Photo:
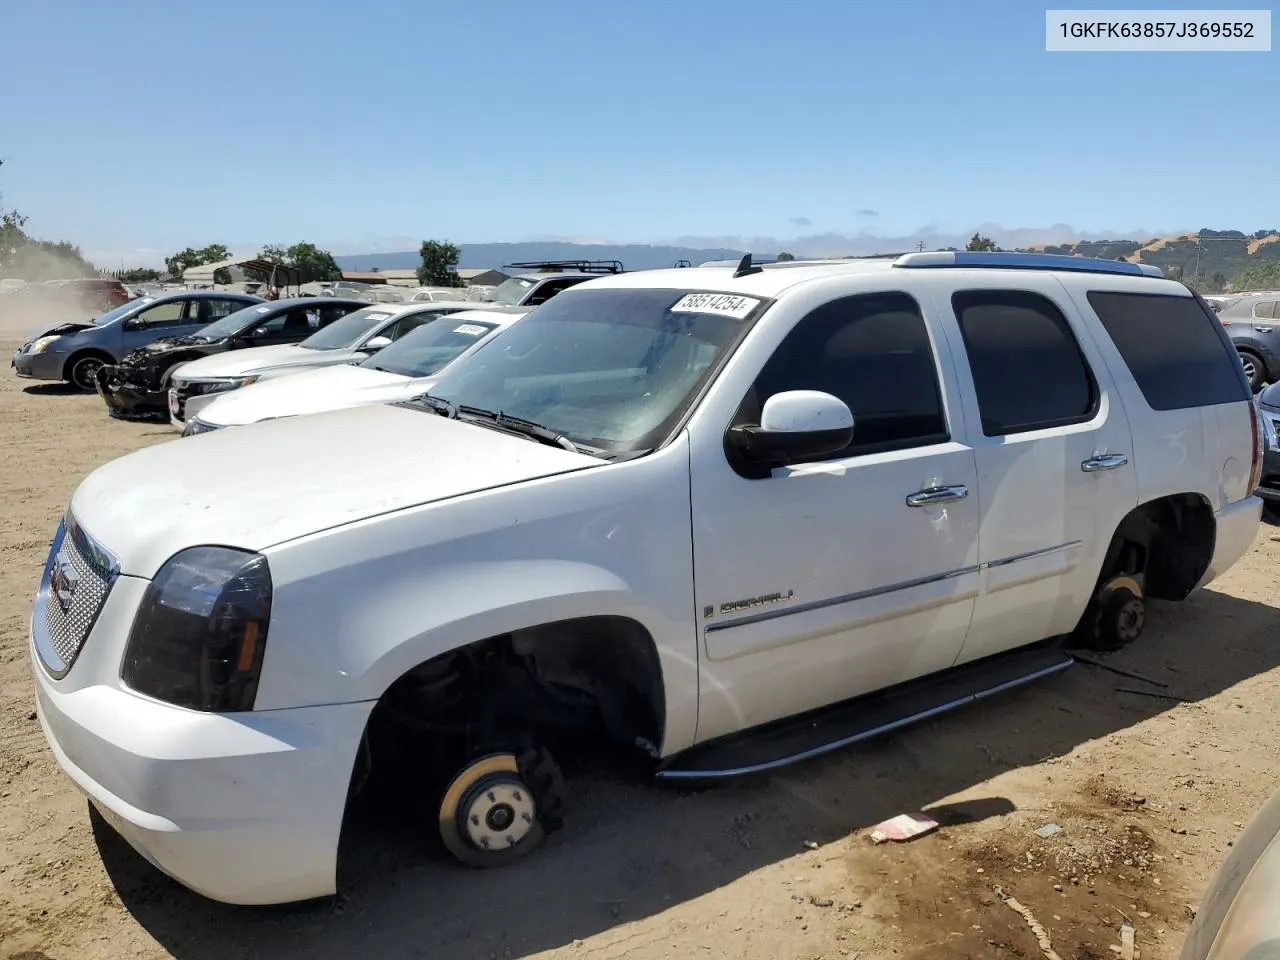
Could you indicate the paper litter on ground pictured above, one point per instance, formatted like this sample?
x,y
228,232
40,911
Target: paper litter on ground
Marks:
x,y
905,826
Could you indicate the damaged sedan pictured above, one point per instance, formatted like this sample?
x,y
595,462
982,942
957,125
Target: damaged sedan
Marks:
x,y
137,387
74,352
351,340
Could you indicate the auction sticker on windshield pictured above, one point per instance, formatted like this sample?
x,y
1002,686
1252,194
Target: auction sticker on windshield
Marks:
x,y
724,304
470,329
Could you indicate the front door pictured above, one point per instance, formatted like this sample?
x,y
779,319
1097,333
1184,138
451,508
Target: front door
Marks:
x,y
1055,469
833,578
163,319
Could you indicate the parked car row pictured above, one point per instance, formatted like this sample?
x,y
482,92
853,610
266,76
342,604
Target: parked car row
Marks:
x,y
724,518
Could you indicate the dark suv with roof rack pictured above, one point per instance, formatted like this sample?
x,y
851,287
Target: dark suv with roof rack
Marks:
x,y
543,279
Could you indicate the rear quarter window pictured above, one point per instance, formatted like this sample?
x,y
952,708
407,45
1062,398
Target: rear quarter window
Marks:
x,y
1174,347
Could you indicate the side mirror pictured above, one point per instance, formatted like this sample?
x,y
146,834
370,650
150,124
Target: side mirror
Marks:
x,y
258,332
133,323
794,425
376,344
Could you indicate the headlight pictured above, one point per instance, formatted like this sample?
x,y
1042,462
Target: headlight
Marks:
x,y
197,426
42,344
200,633
200,388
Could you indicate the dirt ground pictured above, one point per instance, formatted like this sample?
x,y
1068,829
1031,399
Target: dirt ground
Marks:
x,y
1149,784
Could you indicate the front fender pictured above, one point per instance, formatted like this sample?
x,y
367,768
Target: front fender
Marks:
x,y
357,607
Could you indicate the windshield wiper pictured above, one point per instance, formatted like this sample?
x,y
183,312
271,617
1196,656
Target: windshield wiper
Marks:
x,y
527,428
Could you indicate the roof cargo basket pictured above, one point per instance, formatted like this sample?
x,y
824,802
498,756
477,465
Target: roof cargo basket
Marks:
x,y
559,266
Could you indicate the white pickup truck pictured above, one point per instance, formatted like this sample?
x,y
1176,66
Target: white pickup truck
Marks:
x,y
727,516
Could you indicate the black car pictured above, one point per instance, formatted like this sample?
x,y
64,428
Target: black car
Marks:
x,y
1253,322
136,387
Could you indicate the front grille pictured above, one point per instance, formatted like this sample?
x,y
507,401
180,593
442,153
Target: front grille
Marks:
x,y
77,579
181,391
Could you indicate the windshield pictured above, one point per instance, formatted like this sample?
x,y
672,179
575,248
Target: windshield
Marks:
x,y
234,323
613,369
120,311
346,333
512,291
429,348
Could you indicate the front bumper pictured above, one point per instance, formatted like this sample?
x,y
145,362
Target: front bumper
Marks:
x,y
244,808
1269,485
38,366
185,406
129,401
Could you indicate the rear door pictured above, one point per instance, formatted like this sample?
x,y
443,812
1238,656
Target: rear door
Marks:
x,y
207,310
1055,467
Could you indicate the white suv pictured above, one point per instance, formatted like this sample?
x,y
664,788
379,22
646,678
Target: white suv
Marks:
x,y
713,514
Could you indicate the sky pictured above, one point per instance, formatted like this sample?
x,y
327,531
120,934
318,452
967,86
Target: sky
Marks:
x,y
138,127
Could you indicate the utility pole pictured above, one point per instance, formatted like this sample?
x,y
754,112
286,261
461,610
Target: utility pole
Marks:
x,y
920,246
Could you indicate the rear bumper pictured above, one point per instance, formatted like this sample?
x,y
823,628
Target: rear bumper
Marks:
x,y
127,401
1237,526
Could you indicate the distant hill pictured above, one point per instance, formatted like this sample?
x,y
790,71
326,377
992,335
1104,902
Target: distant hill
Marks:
x,y
1214,256
634,256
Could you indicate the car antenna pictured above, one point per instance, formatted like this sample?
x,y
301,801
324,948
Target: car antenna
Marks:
x,y
746,267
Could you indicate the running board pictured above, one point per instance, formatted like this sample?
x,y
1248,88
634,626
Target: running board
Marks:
x,y
832,728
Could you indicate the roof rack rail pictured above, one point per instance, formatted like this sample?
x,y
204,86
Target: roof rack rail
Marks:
x,y
582,266
1025,261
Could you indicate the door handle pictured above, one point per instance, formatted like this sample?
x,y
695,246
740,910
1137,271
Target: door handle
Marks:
x,y
1262,329
932,496
1106,461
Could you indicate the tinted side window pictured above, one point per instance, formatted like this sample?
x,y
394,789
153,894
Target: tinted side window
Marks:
x,y
1175,350
1266,310
1027,367
872,352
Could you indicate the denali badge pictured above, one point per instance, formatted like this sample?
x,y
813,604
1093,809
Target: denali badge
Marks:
x,y
735,606
63,580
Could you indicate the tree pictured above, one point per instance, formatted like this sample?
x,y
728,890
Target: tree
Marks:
x,y
979,242
438,259
27,258
312,263
784,257
1262,276
138,275
188,258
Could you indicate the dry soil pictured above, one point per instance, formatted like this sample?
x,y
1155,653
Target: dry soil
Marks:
x,y
1150,784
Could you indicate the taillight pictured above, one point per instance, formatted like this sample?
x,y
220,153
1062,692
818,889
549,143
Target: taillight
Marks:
x,y
1255,423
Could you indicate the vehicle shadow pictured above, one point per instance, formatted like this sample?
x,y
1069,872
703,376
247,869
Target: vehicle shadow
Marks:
x,y
54,388
631,850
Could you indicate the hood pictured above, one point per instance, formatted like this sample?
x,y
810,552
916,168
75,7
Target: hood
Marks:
x,y
272,482
314,391
168,343
62,329
1270,397
239,363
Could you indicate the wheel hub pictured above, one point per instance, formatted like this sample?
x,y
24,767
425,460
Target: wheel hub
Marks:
x,y
1131,620
497,813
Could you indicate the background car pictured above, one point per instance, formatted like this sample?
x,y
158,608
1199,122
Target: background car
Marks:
x,y
549,278
1253,323
1238,918
355,337
403,370
138,385
74,352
